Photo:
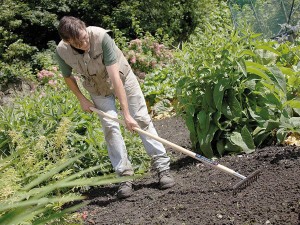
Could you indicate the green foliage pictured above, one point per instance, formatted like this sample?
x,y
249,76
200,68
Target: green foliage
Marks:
x,y
176,18
38,168
44,59
19,18
37,198
17,26
48,149
18,51
39,115
14,73
234,92
159,90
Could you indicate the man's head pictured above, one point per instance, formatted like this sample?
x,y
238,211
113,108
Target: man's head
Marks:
x,y
73,31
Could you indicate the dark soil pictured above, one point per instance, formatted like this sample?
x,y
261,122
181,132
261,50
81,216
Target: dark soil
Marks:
x,y
204,195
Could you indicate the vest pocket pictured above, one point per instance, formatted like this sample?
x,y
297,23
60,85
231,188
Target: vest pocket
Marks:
x,y
76,67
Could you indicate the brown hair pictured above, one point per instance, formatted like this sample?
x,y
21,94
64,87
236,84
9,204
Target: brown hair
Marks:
x,y
69,28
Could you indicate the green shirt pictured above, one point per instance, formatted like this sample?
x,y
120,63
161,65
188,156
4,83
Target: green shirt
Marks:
x,y
109,56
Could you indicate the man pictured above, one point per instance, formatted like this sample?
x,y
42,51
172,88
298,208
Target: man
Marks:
x,y
91,52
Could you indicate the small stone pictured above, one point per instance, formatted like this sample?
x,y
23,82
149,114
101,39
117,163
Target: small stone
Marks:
x,y
219,216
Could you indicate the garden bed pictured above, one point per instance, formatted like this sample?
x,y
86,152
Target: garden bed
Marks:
x,y
203,195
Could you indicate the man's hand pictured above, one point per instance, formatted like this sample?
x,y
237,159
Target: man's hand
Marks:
x,y
130,123
86,104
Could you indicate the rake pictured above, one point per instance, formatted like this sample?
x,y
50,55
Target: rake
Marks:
x,y
245,181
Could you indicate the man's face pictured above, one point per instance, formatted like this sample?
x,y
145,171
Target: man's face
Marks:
x,y
83,42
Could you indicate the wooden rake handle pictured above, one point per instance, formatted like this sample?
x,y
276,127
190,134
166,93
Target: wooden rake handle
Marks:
x,y
174,146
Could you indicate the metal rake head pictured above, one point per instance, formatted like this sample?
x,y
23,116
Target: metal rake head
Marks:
x,y
246,182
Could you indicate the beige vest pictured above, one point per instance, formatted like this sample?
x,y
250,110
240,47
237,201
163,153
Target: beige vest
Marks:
x,y
90,64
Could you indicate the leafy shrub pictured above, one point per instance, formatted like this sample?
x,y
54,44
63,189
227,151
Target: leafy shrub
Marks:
x,y
14,74
43,59
18,51
233,95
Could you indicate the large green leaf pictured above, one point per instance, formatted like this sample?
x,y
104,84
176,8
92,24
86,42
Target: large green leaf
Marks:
x,y
257,69
220,147
247,137
52,172
205,132
230,147
278,78
219,90
293,103
271,125
234,104
242,66
237,139
208,98
260,135
203,119
189,121
258,72
216,117
42,201
205,139
226,110
268,48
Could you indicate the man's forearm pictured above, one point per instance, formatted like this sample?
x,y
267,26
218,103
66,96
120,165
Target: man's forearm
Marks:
x,y
113,72
72,84
84,102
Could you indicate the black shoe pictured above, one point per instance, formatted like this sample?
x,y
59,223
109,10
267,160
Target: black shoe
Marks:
x,y
125,190
166,180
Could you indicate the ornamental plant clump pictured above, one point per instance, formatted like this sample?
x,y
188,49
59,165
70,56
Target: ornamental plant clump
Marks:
x,y
49,76
235,93
147,54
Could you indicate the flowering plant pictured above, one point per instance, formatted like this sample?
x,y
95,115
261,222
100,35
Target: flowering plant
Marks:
x,y
146,54
49,77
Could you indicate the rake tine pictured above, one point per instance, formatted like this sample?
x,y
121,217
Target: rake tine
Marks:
x,y
246,182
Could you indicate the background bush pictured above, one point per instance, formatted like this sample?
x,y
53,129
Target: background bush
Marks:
x,y
235,92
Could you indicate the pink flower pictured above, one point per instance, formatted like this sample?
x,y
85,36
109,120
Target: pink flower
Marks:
x,y
133,60
45,74
52,83
161,46
43,94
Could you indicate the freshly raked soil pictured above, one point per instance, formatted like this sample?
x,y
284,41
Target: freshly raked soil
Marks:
x,y
204,195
